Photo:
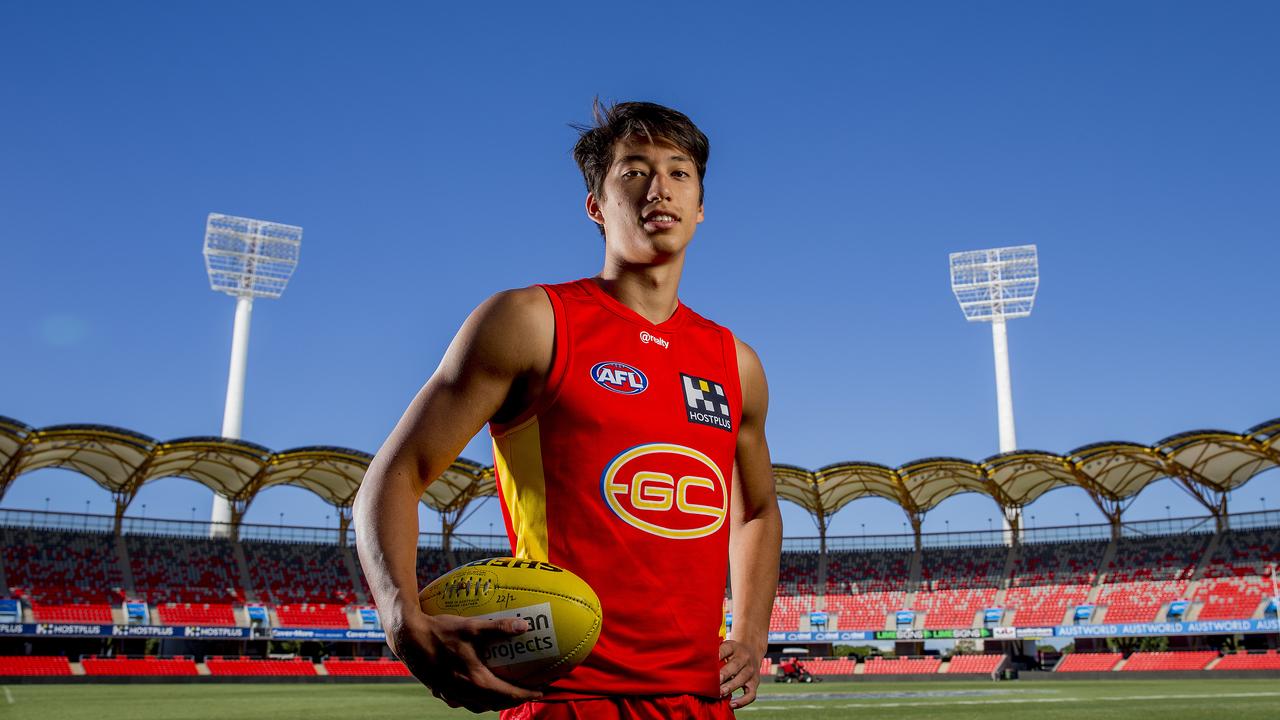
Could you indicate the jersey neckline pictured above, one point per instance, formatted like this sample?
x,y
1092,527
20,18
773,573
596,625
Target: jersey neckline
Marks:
x,y
613,305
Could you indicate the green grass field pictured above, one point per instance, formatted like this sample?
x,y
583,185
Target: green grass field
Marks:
x,y
1162,699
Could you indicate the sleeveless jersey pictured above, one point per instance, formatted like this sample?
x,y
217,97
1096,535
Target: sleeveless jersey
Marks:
x,y
621,472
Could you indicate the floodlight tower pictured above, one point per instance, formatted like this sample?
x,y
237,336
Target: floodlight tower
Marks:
x,y
245,259
994,286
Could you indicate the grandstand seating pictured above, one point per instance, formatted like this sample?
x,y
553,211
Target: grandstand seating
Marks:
x,y
221,614
148,666
286,573
1040,605
1139,600
33,665
1269,660
184,570
313,615
957,583
362,667
864,611
1088,662
239,666
830,666
1049,579
1231,598
798,572
1152,661
860,572
65,576
902,666
967,664
788,610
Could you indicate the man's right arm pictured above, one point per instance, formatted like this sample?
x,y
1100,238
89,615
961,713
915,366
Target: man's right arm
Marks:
x,y
493,367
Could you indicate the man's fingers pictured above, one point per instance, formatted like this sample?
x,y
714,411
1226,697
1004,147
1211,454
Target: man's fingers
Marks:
x,y
504,627
740,678
484,679
748,696
726,649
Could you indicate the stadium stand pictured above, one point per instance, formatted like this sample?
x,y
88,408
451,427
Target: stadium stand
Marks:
x,y
1049,579
788,610
313,615
241,666
957,583
864,611
292,573
860,572
1088,662
902,666
1148,572
1269,660
1237,576
1162,661
184,570
64,576
146,666
362,667
33,666
221,614
974,664
432,562
798,573
831,666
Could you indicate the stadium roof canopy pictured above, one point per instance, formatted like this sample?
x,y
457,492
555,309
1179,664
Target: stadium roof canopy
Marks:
x,y
1206,463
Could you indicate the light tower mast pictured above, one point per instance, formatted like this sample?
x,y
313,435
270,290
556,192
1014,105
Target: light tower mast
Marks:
x,y
994,286
245,259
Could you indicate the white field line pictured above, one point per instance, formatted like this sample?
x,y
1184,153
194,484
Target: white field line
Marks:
x,y
8,695
1005,701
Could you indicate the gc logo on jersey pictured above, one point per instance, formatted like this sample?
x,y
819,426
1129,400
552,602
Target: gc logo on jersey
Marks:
x,y
619,377
667,490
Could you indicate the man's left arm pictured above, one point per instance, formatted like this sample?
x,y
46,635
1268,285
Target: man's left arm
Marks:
x,y
755,539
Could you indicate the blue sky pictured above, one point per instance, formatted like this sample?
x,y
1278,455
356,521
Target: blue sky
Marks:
x,y
425,152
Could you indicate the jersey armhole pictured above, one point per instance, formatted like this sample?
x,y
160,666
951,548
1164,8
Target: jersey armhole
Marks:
x,y
555,376
731,363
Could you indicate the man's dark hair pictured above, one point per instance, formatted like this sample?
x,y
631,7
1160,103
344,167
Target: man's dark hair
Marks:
x,y
655,123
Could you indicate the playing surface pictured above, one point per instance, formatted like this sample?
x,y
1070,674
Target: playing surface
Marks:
x,y
1163,699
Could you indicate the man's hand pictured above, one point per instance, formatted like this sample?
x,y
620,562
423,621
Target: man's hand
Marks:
x,y
740,669
441,651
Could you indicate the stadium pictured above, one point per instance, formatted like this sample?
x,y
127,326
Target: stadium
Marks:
x,y
120,598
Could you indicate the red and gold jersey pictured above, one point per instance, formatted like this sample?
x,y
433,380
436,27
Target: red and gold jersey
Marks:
x,y
621,472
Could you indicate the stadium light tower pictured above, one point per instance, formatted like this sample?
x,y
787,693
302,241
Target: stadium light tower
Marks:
x,y
245,259
995,286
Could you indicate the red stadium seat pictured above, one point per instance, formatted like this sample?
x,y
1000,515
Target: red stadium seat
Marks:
x,y
33,666
1167,661
902,666
1088,662
361,667
239,666
1269,660
974,664
146,666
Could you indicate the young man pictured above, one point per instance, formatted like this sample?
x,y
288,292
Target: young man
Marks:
x,y
629,447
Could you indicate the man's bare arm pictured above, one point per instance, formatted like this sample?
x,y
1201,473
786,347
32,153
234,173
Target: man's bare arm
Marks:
x,y
502,350
755,540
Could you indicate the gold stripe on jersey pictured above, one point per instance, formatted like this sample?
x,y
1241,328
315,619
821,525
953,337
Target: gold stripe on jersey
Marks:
x,y
517,457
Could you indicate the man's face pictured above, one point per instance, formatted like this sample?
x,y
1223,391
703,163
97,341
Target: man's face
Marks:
x,y
651,202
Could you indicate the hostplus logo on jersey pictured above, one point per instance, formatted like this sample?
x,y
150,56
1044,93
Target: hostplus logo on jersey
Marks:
x,y
619,377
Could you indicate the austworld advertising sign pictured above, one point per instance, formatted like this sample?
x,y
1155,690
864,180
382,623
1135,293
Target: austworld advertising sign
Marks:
x,y
1197,627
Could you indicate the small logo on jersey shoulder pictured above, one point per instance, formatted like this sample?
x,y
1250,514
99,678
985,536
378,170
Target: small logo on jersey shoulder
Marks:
x,y
647,337
706,403
619,377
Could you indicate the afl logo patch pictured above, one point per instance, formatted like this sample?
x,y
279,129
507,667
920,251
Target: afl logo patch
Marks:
x,y
619,377
667,490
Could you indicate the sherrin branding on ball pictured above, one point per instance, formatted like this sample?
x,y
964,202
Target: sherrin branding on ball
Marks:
x,y
561,609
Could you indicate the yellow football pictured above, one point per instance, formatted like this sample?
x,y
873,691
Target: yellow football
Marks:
x,y
562,610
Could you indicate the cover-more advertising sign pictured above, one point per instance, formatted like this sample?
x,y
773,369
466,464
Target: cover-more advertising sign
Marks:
x,y
818,619
326,634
